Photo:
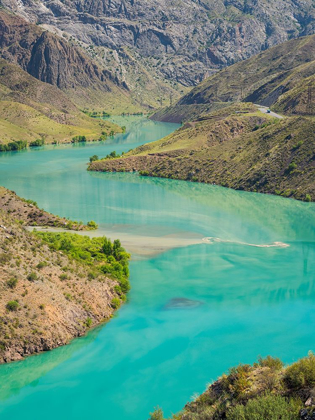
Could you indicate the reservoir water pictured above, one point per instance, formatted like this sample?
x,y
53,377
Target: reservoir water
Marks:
x,y
231,279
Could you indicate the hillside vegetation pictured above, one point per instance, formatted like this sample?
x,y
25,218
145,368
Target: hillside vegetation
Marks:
x,y
280,77
264,391
237,147
54,286
31,110
232,143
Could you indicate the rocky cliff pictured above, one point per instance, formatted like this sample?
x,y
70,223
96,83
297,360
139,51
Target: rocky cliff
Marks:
x,y
181,41
54,60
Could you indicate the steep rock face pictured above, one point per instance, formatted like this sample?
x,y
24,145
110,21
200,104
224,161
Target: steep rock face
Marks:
x,y
47,57
184,41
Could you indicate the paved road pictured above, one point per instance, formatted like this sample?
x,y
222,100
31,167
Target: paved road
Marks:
x,y
264,109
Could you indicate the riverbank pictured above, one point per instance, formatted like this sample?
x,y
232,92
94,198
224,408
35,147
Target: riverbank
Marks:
x,y
52,290
236,147
29,214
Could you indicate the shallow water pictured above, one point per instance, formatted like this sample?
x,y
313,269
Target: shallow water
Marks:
x,y
193,310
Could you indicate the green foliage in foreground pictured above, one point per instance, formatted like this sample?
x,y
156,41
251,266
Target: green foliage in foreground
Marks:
x,y
99,253
266,390
271,407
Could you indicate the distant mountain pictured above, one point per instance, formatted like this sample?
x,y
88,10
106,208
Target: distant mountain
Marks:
x,y
282,77
52,59
163,47
233,143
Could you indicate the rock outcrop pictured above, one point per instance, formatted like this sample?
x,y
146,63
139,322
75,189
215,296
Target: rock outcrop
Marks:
x,y
182,41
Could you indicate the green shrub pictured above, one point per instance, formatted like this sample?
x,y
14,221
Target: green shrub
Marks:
x,y
291,167
93,158
32,276
115,303
37,143
15,145
88,322
5,257
34,203
63,277
99,253
308,198
297,145
41,306
78,139
12,282
301,374
268,407
12,306
274,363
92,225
157,414
238,380
41,265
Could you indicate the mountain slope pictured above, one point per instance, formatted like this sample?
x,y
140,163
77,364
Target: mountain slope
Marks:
x,y
30,109
49,294
280,76
52,59
237,147
180,42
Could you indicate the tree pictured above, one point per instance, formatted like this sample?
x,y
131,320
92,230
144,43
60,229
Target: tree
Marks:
x,y
93,158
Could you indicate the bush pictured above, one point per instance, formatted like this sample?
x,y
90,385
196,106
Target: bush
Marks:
x,y
301,374
37,143
271,407
238,380
308,198
5,258
157,414
274,363
92,225
78,139
11,283
92,252
88,322
291,167
15,145
32,276
115,303
41,265
12,306
93,158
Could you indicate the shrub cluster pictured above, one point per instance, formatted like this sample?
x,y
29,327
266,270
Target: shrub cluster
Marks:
x,y
14,145
37,143
105,256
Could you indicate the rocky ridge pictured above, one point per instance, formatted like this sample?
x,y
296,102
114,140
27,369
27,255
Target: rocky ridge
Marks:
x,y
182,42
53,60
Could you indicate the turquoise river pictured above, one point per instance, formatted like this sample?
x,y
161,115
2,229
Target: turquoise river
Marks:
x,y
218,277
